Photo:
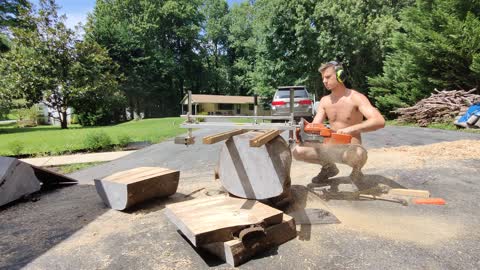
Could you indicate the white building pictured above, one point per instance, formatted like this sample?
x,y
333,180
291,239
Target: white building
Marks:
x,y
49,116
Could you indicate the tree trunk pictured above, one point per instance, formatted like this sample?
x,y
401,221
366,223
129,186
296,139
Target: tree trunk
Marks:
x,y
180,97
216,69
63,119
131,108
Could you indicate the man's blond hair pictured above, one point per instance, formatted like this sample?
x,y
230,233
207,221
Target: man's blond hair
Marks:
x,y
324,66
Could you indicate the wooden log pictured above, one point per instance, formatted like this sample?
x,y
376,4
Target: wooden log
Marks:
x,y
17,179
409,192
262,139
124,189
441,106
255,172
236,252
217,219
222,136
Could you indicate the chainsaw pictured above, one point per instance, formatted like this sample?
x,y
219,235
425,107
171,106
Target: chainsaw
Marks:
x,y
313,132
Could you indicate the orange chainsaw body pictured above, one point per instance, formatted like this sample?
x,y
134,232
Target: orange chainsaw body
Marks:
x,y
329,137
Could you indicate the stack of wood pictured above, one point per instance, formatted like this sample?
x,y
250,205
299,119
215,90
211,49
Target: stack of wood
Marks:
x,y
441,107
233,229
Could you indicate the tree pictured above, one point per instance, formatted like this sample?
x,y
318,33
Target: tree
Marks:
x,y
294,37
9,12
437,46
50,65
215,44
96,99
242,47
153,42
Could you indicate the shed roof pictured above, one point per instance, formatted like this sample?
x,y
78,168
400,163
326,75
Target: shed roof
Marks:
x,y
218,99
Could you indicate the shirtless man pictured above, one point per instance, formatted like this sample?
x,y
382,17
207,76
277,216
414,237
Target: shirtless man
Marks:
x,y
345,109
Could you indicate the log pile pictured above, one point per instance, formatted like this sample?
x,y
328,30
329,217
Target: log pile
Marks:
x,y
441,107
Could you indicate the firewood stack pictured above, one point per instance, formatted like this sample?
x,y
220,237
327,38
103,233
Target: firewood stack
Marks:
x,y
440,107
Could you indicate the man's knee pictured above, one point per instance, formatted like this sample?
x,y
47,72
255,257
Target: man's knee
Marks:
x,y
298,153
356,156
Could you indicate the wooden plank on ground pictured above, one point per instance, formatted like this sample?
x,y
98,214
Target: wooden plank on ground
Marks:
x,y
222,136
216,219
236,252
264,138
127,188
409,192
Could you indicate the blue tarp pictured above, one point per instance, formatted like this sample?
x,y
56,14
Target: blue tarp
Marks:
x,y
472,110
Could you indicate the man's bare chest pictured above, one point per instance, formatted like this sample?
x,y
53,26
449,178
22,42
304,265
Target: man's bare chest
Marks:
x,y
342,111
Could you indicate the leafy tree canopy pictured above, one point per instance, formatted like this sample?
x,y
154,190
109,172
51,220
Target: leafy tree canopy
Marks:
x,y
437,46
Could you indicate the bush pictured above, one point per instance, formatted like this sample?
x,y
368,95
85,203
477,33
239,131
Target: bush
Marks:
x,y
74,119
15,147
124,140
97,141
4,109
99,111
28,117
201,119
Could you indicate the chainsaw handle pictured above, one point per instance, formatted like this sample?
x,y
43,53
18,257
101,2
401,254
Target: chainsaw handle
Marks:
x,y
320,129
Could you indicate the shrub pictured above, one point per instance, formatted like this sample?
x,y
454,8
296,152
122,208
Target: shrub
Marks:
x,y
15,147
101,110
124,140
201,119
74,119
97,141
4,109
28,117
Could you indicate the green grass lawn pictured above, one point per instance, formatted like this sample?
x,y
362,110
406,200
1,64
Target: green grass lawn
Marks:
x,y
51,140
66,169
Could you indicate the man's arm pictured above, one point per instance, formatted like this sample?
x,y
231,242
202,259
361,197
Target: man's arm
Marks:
x,y
320,116
374,119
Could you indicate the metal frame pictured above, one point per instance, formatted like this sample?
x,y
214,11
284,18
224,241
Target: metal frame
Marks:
x,y
279,126
190,122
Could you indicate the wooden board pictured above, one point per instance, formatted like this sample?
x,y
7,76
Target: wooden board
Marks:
x,y
255,172
264,138
222,136
127,188
216,219
235,252
17,179
409,192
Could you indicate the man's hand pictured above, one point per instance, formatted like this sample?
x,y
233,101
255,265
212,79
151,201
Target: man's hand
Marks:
x,y
347,130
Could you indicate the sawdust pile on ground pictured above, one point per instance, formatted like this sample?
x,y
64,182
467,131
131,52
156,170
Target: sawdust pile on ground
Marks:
x,y
464,149
414,157
398,226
